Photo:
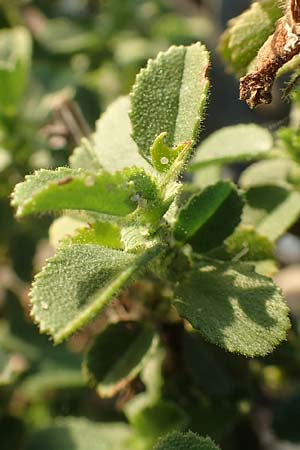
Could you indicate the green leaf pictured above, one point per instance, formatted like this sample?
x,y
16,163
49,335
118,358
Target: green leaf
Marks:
x,y
84,157
205,176
105,234
209,217
11,366
80,434
237,143
155,421
278,172
117,356
169,96
64,227
246,33
63,36
15,62
112,141
162,155
5,159
78,282
247,244
272,210
234,307
185,441
49,379
113,194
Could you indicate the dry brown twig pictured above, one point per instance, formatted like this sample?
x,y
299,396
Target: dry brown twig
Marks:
x,y
280,47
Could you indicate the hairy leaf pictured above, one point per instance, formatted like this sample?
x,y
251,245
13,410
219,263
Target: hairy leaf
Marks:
x,y
233,144
234,307
185,441
117,356
277,172
64,227
169,97
113,144
246,33
272,210
247,244
84,157
209,217
80,434
77,283
113,194
105,234
162,155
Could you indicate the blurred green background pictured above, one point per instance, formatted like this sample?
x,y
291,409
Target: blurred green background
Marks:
x,y
61,63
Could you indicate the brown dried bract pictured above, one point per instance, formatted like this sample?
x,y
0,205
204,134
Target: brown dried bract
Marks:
x,y
280,47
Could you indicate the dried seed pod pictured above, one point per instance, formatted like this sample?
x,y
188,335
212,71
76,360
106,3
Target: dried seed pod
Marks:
x,y
280,47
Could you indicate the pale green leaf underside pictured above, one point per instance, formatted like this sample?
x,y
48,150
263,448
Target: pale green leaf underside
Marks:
x,y
236,143
185,441
272,210
66,188
77,283
112,141
80,434
234,307
247,33
169,96
279,172
209,217
117,356
84,157
64,227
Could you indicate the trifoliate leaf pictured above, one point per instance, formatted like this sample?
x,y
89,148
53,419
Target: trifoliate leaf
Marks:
x,y
117,356
169,96
15,61
237,143
112,141
77,283
277,172
209,217
113,194
185,441
246,33
234,307
272,210
80,434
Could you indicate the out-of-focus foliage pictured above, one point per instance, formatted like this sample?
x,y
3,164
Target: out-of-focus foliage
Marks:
x,y
55,55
